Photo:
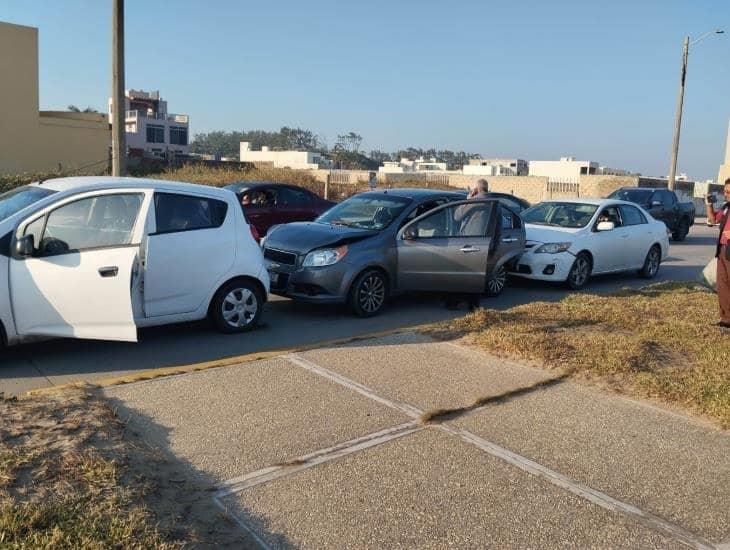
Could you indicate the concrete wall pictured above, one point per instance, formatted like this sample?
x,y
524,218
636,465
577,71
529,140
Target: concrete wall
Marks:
x,y
33,141
602,186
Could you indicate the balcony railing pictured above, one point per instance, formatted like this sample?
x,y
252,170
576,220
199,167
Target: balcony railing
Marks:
x,y
182,119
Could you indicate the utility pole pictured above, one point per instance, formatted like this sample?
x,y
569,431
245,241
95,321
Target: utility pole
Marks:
x,y
678,114
119,142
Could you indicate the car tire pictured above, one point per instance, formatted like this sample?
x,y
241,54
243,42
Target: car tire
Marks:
x,y
682,231
651,263
368,293
580,272
237,306
496,281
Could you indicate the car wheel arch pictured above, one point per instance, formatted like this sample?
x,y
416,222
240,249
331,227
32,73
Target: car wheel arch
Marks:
x,y
254,280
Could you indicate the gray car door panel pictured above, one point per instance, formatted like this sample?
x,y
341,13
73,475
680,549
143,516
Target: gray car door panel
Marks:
x,y
446,249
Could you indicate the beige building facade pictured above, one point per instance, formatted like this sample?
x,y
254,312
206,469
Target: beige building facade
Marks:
x,y
724,172
42,141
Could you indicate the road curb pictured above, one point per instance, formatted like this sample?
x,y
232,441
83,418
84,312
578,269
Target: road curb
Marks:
x,y
151,374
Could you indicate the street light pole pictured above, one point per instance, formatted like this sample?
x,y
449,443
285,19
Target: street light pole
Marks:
x,y
680,104
119,146
678,114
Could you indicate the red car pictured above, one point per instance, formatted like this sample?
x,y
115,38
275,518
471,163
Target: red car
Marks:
x,y
267,204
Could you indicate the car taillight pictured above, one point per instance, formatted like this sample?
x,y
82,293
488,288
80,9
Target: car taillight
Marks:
x,y
255,233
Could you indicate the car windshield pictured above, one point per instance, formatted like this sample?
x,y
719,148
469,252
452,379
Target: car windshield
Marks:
x,y
638,196
12,202
560,214
374,212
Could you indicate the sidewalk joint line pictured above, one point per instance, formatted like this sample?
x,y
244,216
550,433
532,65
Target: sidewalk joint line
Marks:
x,y
241,523
405,408
523,463
270,473
587,493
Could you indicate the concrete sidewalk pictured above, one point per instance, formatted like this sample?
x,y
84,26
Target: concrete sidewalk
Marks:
x,y
328,449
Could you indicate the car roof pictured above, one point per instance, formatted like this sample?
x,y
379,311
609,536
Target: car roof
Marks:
x,y
92,183
642,189
412,193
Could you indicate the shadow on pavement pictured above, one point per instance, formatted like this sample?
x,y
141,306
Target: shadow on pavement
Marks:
x,y
181,495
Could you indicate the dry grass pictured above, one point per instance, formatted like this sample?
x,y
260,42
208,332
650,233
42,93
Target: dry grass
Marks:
x,y
61,478
657,342
219,177
71,476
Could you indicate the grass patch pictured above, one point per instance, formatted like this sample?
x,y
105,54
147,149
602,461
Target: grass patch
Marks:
x,y
656,342
71,477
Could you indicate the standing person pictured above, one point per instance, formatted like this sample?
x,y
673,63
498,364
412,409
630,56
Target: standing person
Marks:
x,y
473,222
722,254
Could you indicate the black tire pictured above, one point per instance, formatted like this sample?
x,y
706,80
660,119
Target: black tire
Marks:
x,y
237,306
682,230
368,293
651,263
496,281
580,272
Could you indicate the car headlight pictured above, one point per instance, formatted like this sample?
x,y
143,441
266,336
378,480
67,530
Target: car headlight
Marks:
x,y
325,256
553,248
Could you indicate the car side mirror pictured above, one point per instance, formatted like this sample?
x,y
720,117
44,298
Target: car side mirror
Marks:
x,y
656,203
409,234
24,246
605,226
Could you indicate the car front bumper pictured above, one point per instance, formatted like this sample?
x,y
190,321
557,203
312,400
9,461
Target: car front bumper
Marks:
x,y
327,284
544,267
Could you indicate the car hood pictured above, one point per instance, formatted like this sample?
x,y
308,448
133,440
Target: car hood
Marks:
x,y
545,234
302,237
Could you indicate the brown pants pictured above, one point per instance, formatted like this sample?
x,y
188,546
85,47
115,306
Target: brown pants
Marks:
x,y
723,284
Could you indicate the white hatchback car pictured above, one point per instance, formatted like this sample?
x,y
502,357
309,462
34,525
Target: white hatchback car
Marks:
x,y
97,257
570,240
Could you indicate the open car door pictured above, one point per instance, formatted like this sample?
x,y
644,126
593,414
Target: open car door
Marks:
x,y
71,269
447,249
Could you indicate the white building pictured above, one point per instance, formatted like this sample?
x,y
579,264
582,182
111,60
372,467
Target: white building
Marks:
x,y
496,167
406,166
565,169
724,172
150,128
299,160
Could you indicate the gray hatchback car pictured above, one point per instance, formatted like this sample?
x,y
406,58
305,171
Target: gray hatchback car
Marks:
x,y
378,244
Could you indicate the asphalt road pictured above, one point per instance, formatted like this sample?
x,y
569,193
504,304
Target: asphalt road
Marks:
x,y
287,324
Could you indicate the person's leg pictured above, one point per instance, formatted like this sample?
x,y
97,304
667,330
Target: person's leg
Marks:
x,y
723,286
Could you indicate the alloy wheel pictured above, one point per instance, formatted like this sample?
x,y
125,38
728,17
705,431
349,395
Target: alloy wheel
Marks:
x,y
496,282
652,262
580,271
371,293
239,307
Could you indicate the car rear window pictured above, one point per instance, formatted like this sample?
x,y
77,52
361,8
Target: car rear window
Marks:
x,y
638,196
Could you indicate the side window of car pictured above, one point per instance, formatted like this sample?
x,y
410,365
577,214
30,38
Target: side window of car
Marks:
x,y
422,209
631,216
94,222
465,220
610,214
667,198
506,218
175,212
288,196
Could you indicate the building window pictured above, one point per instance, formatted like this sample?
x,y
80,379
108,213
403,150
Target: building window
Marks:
x,y
155,134
178,135
584,170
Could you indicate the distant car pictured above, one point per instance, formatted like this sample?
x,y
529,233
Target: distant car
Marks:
x,y
269,204
97,257
380,243
663,205
571,240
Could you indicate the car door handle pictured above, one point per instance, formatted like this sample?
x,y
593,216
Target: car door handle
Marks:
x,y
509,240
467,249
109,271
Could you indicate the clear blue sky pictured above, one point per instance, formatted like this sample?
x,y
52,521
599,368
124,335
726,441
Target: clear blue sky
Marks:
x,y
534,79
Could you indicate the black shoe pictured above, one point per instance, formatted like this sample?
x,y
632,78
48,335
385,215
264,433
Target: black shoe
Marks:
x,y
722,324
